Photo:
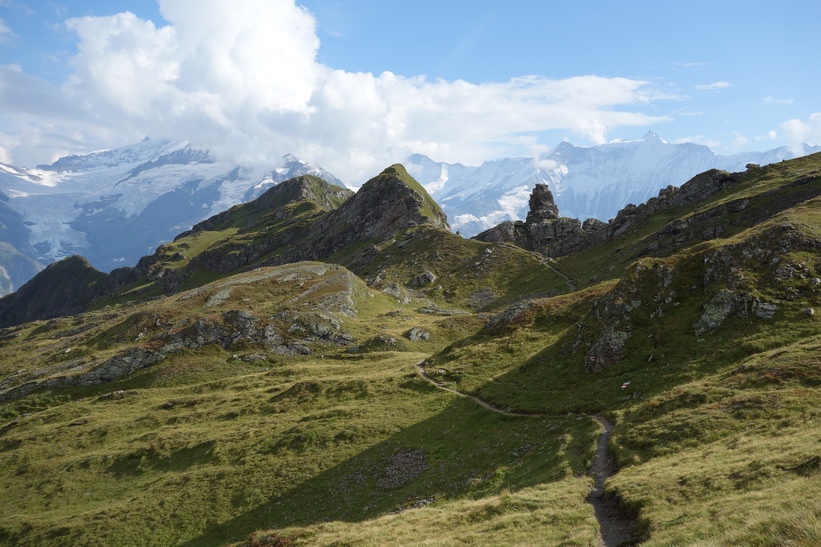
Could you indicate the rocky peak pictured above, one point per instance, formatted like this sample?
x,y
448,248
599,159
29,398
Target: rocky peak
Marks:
x,y
542,206
306,187
388,203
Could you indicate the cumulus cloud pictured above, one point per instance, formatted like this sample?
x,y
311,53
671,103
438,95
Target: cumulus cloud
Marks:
x,y
242,79
799,132
713,86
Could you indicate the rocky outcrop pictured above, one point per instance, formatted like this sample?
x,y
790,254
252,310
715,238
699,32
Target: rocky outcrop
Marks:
x,y
288,333
726,303
547,233
542,205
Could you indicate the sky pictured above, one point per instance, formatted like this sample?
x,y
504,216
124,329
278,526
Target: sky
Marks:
x,y
355,85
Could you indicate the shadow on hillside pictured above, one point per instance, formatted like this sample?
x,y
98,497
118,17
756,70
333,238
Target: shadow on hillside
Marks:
x,y
463,450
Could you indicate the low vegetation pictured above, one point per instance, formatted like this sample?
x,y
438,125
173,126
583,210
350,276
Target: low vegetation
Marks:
x,y
285,407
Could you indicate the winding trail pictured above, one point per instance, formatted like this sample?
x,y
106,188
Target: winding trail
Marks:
x,y
478,400
570,284
614,529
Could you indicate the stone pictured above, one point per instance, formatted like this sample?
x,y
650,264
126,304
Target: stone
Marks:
x,y
542,205
417,334
423,279
608,349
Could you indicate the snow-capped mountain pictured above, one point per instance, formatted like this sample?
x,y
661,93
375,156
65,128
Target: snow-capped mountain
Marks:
x,y
586,181
116,206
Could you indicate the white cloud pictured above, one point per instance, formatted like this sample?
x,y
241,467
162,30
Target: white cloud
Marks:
x,y
799,132
772,100
5,31
740,141
242,79
713,86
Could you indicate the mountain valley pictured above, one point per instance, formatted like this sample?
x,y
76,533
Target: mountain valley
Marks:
x,y
273,375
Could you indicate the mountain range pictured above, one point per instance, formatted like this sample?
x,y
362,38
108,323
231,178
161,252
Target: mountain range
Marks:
x,y
587,181
114,206
319,366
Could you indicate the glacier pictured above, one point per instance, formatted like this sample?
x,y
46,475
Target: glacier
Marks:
x,y
115,206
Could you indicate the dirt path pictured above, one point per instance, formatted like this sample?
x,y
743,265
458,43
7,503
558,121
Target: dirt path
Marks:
x,y
478,400
570,284
614,529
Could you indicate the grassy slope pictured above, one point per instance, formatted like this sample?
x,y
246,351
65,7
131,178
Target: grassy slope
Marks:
x,y
606,261
204,448
731,414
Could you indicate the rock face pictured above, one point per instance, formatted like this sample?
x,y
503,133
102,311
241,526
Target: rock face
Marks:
x,y
386,204
542,206
547,233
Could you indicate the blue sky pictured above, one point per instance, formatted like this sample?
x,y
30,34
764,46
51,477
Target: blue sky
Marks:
x,y
356,84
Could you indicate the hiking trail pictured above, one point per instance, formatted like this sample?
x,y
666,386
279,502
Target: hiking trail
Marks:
x,y
614,529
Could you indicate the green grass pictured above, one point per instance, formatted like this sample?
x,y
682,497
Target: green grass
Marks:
x,y
716,434
548,514
201,450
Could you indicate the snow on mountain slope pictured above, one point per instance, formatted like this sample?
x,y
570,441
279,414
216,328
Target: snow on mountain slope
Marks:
x,y
586,181
115,206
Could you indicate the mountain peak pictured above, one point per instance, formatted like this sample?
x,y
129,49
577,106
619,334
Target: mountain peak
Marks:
x,y
399,199
652,136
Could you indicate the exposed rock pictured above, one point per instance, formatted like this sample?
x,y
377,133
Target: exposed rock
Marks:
x,y
715,312
394,290
382,342
608,349
546,233
315,325
726,303
542,205
417,334
229,328
436,310
423,279
402,467
510,315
